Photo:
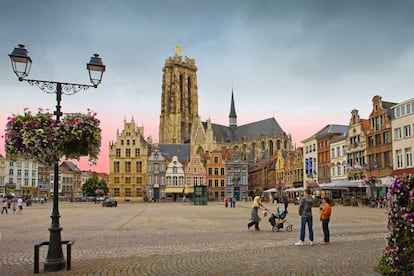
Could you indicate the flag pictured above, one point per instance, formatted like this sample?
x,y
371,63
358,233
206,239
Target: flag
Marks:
x,y
178,49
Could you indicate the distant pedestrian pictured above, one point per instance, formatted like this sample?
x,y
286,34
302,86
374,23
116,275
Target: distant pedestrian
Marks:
x,y
20,205
226,202
4,207
234,202
231,202
305,211
255,219
14,207
286,201
325,216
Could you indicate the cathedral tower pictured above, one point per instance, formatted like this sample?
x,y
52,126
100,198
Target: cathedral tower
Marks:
x,y
179,100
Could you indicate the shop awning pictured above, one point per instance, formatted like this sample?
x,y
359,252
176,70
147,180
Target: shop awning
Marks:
x,y
385,181
341,184
189,190
25,188
291,190
174,190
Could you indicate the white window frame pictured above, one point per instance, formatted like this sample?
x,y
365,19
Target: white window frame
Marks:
x,y
397,133
408,158
407,131
399,159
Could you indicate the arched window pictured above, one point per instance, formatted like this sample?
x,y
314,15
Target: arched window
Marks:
x,y
271,147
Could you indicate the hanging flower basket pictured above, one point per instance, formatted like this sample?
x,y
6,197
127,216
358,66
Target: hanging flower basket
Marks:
x,y
39,137
32,136
80,135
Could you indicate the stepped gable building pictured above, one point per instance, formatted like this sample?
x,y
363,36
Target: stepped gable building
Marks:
x,y
355,146
379,136
180,122
128,162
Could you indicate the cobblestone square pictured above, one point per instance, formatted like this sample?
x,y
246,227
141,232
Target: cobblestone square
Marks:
x,y
178,238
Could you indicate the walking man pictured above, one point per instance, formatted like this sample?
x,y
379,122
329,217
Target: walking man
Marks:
x,y
305,211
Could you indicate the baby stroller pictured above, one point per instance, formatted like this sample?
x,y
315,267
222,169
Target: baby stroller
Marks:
x,y
278,219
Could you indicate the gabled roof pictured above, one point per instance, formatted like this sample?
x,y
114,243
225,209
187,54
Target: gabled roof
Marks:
x,y
226,134
266,126
182,151
388,105
72,166
332,129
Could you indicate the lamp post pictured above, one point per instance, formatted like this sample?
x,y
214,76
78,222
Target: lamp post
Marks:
x,y
21,64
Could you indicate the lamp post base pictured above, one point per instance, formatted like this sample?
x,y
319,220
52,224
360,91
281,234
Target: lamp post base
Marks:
x,y
55,260
54,265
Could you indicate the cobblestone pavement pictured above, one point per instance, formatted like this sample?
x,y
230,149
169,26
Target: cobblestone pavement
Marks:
x,y
183,239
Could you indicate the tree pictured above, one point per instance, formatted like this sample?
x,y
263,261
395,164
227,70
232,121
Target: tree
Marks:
x,y
93,184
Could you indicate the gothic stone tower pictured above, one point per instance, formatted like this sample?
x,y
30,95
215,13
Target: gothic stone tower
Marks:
x,y
179,100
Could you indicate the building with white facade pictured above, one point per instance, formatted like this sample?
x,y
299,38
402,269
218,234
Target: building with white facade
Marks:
x,y
402,124
338,159
310,155
2,176
22,176
175,179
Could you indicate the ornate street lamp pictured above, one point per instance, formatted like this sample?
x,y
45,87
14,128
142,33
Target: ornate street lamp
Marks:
x,y
21,64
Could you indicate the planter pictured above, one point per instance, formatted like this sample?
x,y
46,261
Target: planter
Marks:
x,y
33,137
81,135
38,137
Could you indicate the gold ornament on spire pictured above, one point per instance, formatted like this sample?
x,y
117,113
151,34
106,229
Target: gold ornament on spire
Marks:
x,y
178,50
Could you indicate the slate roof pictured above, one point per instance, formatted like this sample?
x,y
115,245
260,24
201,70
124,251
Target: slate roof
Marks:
x,y
333,129
182,151
230,134
72,166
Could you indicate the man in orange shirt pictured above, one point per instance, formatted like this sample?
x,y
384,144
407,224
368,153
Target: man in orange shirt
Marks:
x,y
325,216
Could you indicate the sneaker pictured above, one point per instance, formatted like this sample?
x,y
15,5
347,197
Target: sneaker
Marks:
x,y
310,242
299,243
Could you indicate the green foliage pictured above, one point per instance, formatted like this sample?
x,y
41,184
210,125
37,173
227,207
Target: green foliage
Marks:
x,y
398,257
258,191
316,202
347,201
93,184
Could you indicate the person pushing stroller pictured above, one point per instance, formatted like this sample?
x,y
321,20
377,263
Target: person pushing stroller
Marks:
x,y
255,219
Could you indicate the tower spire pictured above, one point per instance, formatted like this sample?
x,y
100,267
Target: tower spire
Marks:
x,y
233,115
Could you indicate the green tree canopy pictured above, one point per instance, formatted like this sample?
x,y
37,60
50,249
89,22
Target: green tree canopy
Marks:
x,y
92,185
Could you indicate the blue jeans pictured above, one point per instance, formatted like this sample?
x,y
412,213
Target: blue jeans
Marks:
x,y
304,221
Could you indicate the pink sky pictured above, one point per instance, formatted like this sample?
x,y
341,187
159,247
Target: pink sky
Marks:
x,y
298,129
